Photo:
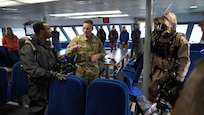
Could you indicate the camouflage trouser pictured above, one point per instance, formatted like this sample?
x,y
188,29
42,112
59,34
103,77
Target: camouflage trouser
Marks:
x,y
88,73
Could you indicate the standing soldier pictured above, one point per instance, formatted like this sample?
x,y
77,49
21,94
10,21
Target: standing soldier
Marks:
x,y
124,37
89,53
101,34
135,35
113,37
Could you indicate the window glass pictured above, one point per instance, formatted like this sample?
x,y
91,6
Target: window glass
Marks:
x,y
142,29
94,31
61,35
129,30
79,29
19,32
70,32
181,28
196,34
1,36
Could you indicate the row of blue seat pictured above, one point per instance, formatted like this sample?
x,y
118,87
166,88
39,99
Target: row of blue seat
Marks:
x,y
17,87
100,97
63,44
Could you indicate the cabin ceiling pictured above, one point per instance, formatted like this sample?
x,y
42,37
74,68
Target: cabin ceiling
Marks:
x,y
134,8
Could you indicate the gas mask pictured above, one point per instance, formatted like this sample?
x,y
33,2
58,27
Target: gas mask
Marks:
x,y
164,31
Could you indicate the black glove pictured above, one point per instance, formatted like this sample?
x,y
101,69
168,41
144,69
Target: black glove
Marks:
x,y
58,76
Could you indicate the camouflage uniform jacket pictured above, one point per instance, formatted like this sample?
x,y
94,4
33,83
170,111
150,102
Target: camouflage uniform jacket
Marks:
x,y
89,46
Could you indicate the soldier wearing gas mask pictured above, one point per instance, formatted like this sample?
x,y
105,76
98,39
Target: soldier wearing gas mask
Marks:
x,y
169,55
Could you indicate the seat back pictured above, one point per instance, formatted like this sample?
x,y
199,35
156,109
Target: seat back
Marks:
x,y
67,98
5,59
19,83
194,56
107,97
197,47
134,68
3,86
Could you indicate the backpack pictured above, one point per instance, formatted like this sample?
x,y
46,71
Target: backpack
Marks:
x,y
25,40
62,66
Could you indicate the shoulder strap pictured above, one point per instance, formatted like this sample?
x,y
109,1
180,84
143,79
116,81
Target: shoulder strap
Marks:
x,y
27,41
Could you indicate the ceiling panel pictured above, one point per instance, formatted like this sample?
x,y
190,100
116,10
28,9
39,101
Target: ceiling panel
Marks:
x,y
135,8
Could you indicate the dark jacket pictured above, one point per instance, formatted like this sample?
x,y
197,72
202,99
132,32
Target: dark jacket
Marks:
x,y
135,35
124,37
102,35
113,36
37,66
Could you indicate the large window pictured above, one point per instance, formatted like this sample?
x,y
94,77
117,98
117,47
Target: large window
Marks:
x,y
182,28
94,30
196,34
19,32
79,29
1,36
142,29
61,35
70,32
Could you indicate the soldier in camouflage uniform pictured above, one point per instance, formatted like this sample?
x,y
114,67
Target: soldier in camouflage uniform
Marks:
x,y
170,54
89,53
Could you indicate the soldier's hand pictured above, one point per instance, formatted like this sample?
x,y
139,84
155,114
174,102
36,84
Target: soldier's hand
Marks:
x,y
77,47
58,76
94,57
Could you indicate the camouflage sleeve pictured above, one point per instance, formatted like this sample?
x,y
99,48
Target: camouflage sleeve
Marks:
x,y
69,49
184,59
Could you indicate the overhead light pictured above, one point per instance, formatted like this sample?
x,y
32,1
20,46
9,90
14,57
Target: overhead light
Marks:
x,y
193,7
86,13
35,1
9,9
6,3
82,2
99,16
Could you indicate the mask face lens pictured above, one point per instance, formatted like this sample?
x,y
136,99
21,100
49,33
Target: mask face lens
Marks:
x,y
163,27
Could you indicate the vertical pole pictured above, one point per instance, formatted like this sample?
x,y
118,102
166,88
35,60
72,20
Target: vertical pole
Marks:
x,y
148,29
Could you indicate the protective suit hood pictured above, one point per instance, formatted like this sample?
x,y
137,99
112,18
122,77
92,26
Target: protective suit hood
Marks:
x,y
168,27
169,19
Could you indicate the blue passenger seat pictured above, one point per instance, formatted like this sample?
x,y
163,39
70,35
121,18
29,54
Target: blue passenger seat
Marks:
x,y
19,83
194,56
5,59
3,86
68,97
107,97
